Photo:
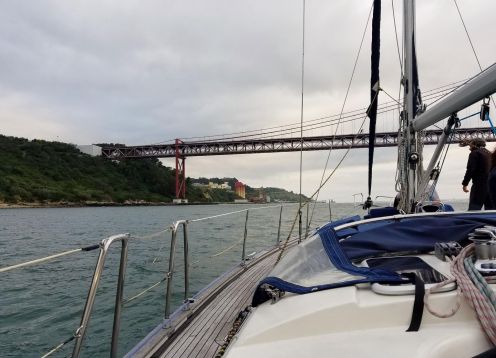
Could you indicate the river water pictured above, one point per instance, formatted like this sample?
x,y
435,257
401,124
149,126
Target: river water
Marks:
x,y
41,306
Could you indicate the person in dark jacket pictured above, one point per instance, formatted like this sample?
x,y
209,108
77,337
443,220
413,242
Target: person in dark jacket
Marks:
x,y
478,166
491,182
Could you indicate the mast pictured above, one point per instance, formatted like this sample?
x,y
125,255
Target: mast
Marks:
x,y
411,156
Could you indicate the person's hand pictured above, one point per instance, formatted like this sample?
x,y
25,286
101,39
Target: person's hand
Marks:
x,y
465,189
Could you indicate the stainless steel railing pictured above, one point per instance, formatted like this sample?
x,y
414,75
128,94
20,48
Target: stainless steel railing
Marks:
x,y
172,258
90,300
105,246
172,262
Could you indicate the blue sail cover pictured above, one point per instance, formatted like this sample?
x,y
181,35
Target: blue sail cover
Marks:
x,y
413,234
325,260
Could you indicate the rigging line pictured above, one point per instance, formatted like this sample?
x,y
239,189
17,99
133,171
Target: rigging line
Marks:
x,y
301,111
339,163
387,94
468,36
349,148
471,44
433,91
344,103
396,37
310,198
451,91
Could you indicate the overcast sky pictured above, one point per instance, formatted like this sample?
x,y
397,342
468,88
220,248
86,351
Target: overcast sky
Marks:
x,y
142,72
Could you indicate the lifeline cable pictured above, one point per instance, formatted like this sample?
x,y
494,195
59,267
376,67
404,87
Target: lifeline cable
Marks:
x,y
48,258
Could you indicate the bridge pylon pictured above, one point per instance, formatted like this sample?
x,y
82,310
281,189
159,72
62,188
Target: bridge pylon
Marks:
x,y
180,172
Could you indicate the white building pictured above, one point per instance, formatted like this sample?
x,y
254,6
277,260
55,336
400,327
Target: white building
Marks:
x,y
91,149
224,186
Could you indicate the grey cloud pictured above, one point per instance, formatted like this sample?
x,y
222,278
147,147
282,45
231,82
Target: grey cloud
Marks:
x,y
142,72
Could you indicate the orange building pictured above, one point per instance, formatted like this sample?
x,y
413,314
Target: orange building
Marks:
x,y
239,189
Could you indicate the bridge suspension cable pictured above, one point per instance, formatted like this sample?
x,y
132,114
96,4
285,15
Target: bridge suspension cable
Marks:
x,y
317,123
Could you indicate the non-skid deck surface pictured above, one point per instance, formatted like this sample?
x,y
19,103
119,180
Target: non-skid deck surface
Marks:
x,y
206,333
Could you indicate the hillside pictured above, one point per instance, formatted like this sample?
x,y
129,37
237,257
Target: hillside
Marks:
x,y
45,172
275,194
41,171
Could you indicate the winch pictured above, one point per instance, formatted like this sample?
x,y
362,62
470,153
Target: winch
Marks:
x,y
485,249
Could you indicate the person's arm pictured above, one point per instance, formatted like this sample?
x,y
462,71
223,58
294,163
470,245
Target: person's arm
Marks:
x,y
470,170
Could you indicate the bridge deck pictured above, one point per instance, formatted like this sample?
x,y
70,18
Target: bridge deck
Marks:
x,y
274,145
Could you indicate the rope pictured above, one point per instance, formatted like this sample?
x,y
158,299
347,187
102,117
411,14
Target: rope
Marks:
x,y
479,281
475,290
56,348
48,258
485,310
127,300
454,309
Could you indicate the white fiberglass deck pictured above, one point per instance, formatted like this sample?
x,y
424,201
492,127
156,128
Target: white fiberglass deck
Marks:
x,y
354,321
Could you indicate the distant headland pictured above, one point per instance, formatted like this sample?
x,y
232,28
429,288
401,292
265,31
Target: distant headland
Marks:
x,y
38,173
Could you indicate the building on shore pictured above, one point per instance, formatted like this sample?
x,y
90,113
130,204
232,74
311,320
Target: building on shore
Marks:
x,y
240,189
224,186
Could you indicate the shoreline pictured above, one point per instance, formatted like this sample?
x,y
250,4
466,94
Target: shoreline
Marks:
x,y
89,205
109,204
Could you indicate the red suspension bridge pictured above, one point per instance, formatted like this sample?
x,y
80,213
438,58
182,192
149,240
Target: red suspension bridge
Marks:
x,y
181,149
283,139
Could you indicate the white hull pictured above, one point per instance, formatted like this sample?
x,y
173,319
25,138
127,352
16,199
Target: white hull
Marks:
x,y
357,322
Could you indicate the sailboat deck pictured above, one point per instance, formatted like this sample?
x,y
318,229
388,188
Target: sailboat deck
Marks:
x,y
206,334
201,333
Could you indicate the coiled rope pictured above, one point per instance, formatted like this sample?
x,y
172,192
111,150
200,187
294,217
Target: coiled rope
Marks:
x,y
474,287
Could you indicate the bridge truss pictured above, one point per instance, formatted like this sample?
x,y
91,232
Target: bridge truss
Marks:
x,y
181,149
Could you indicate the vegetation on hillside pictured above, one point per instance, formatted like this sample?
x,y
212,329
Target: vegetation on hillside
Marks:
x,y
39,171
275,194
